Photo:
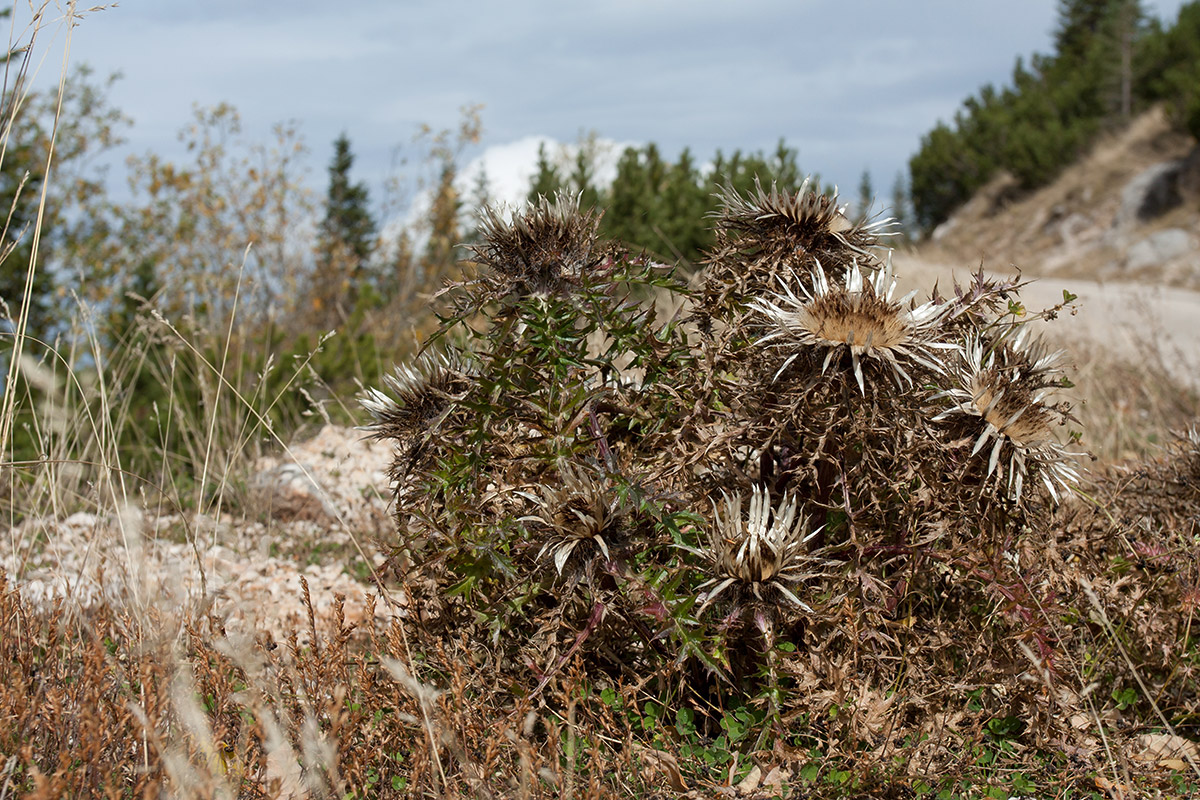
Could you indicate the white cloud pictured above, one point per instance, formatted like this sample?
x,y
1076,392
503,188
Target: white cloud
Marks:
x,y
510,168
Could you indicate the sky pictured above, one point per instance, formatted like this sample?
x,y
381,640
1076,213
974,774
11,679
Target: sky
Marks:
x,y
851,84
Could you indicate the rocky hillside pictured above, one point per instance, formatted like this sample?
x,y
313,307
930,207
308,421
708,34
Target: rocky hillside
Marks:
x,y
1129,212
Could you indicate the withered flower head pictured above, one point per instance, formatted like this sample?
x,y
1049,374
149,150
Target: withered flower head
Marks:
x,y
1007,385
417,392
858,317
807,219
543,250
758,559
581,516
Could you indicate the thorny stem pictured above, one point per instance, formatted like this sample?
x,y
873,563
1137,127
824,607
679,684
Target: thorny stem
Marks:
x,y
598,609
601,441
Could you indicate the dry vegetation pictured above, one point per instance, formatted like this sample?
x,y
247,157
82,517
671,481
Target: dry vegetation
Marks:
x,y
776,531
795,537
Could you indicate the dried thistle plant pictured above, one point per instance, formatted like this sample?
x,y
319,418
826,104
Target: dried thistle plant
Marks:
x,y
1004,388
544,250
582,517
760,559
806,220
773,235
859,318
418,393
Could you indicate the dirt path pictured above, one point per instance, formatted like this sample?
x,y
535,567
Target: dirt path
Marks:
x,y
1127,321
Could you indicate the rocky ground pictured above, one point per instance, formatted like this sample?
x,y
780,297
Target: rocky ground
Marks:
x,y
1128,212
323,505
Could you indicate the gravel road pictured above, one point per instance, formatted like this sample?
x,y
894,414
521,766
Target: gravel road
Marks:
x,y
1126,321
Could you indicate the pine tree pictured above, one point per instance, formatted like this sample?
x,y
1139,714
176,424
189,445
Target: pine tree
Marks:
x,y
680,224
345,243
1169,66
1079,23
348,224
900,208
625,216
1046,119
583,174
441,251
546,178
480,198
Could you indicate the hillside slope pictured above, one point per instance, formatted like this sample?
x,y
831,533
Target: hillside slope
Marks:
x,y
1120,230
1128,211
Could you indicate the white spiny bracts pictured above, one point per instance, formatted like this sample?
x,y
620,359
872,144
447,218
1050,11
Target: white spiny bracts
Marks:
x,y
581,515
416,393
1007,384
759,559
806,217
857,317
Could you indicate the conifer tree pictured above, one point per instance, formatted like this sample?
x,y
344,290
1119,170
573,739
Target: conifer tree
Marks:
x,y
479,199
441,251
866,194
682,223
346,240
546,178
900,207
1049,115
627,208
583,174
348,224
1169,67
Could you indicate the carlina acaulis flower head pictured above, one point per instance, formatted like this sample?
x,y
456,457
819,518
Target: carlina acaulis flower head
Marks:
x,y
582,517
545,249
758,559
1004,386
417,392
807,219
857,318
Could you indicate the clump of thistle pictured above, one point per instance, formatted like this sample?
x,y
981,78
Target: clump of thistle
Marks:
x,y
544,250
857,318
1003,395
582,518
417,394
544,471
759,561
774,235
769,221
